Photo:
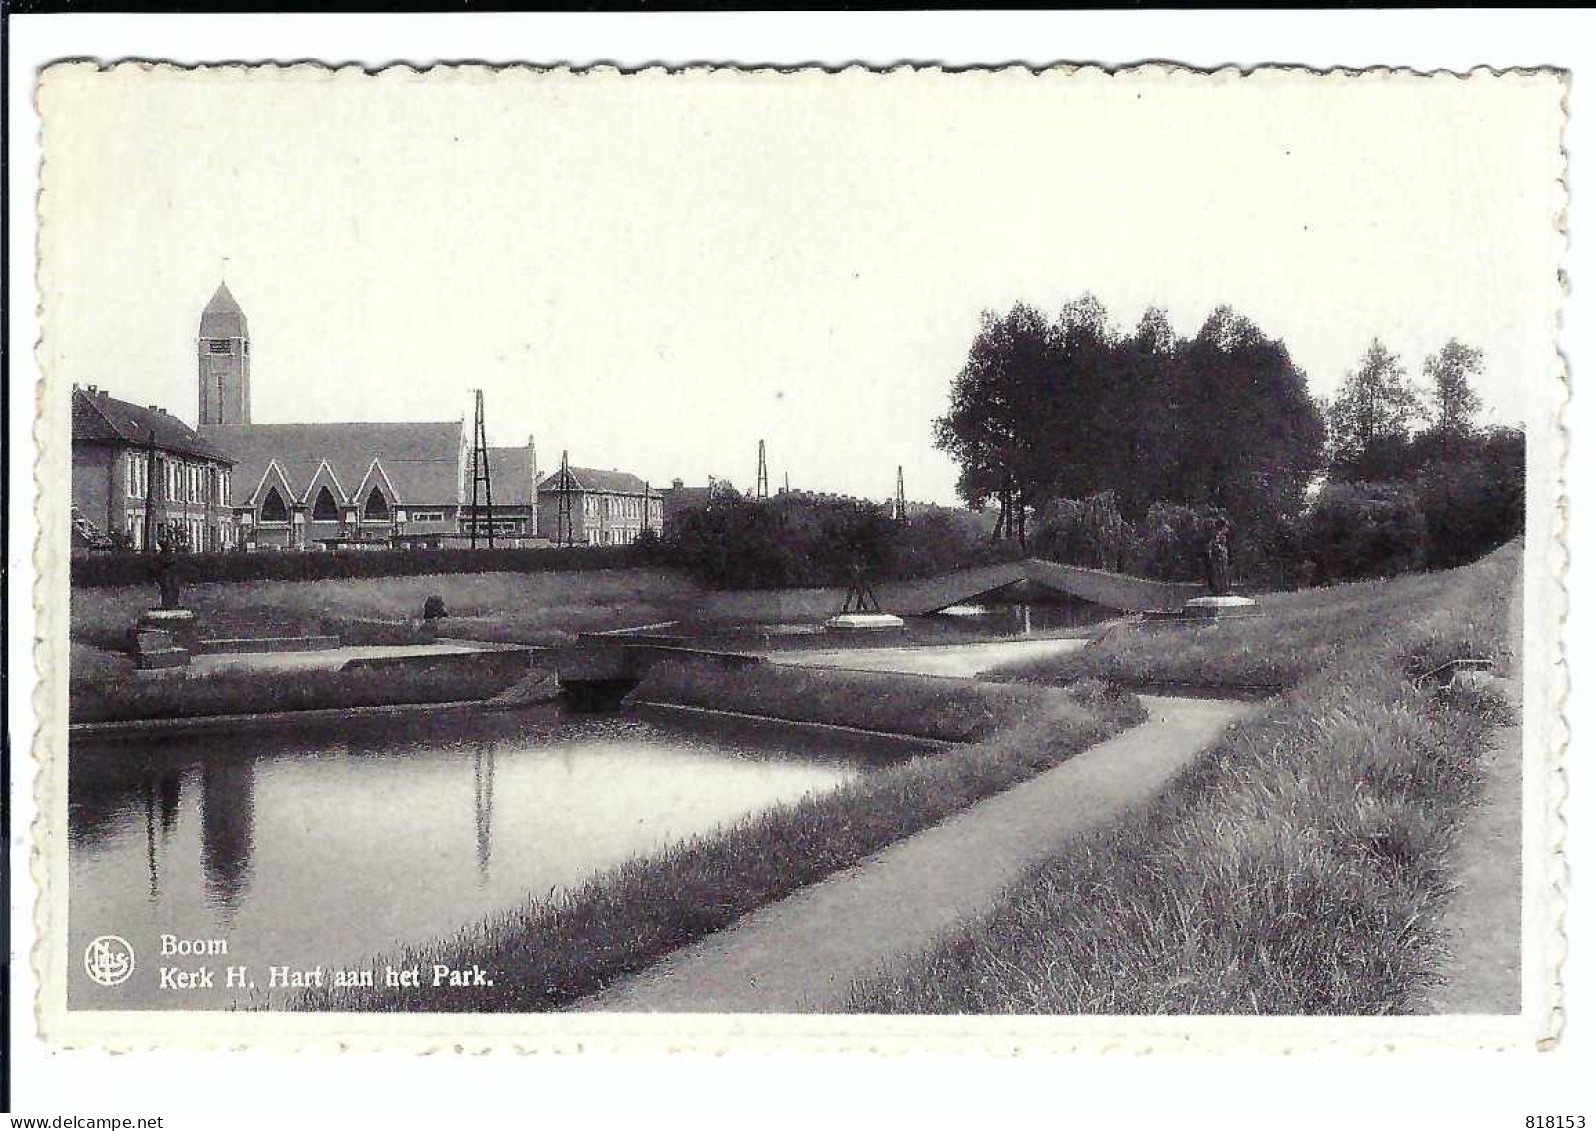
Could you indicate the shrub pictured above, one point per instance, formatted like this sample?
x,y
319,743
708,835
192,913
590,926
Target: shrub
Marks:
x,y
806,540
136,569
1473,501
1359,530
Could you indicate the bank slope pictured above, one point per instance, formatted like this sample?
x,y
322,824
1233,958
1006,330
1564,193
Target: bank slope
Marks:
x,y
554,951
1302,866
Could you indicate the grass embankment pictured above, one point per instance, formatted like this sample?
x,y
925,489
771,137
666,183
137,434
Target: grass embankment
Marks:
x,y
527,608
478,676
1300,867
1299,634
554,951
922,706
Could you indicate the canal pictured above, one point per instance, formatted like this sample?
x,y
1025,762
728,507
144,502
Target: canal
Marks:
x,y
328,843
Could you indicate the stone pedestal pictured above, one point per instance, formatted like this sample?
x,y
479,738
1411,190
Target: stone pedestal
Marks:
x,y
181,623
164,638
864,622
1220,608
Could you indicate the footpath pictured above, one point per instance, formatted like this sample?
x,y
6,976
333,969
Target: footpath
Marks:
x,y
1484,923
802,953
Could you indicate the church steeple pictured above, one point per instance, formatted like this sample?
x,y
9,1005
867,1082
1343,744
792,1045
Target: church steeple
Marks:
x,y
223,361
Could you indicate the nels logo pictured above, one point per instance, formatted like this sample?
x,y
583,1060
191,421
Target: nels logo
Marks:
x,y
108,960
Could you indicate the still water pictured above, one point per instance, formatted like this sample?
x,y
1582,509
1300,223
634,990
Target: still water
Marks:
x,y
321,843
1022,618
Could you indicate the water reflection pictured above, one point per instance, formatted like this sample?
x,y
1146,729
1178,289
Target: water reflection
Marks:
x,y
1027,613
328,843
227,831
482,773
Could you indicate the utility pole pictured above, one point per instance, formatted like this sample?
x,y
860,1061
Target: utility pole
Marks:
x,y
564,524
762,482
481,477
647,493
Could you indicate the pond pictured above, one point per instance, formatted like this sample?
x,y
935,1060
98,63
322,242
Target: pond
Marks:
x,y
322,843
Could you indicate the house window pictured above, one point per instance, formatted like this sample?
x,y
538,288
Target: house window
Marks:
x,y
376,505
273,508
426,516
326,508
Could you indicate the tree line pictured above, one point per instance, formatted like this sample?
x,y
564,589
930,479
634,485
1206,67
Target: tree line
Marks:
x,y
1126,450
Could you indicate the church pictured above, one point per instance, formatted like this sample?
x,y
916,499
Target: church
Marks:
x,y
348,485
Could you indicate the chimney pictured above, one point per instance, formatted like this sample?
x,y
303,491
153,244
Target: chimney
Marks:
x,y
93,389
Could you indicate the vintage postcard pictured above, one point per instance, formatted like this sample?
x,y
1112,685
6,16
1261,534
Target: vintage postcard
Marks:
x,y
729,559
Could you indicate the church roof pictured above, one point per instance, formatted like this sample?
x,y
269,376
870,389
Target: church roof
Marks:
x,y
98,416
513,477
594,479
422,461
223,317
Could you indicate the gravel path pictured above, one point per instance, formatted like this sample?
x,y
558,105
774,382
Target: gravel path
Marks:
x,y
967,660
801,953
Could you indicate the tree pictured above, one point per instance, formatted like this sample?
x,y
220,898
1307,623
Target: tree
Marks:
x,y
1087,532
1372,416
1017,417
1249,436
1069,409
1359,530
1454,403
990,422
1473,498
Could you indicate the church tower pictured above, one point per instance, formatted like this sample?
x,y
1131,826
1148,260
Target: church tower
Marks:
x,y
223,362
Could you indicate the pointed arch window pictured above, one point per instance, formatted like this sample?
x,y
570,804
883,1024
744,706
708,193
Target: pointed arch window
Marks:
x,y
325,508
377,505
273,508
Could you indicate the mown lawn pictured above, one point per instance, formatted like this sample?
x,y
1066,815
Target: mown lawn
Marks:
x,y
127,696
1301,866
553,951
534,608
922,706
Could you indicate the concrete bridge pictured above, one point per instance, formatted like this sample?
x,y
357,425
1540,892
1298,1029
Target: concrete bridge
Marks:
x,y
602,668
1101,587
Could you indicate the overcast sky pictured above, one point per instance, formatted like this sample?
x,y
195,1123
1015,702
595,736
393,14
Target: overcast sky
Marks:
x,y
656,271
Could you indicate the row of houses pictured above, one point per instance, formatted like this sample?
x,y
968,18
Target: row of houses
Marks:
x,y
138,472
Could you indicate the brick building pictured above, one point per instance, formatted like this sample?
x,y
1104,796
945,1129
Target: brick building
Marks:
x,y
607,508
223,361
348,484
137,471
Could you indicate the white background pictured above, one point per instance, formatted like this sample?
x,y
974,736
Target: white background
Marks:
x,y
1483,1090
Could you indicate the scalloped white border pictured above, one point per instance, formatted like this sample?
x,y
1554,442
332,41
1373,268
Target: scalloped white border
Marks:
x,y
1545,723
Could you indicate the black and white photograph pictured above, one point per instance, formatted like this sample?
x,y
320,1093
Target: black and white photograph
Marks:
x,y
1010,555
